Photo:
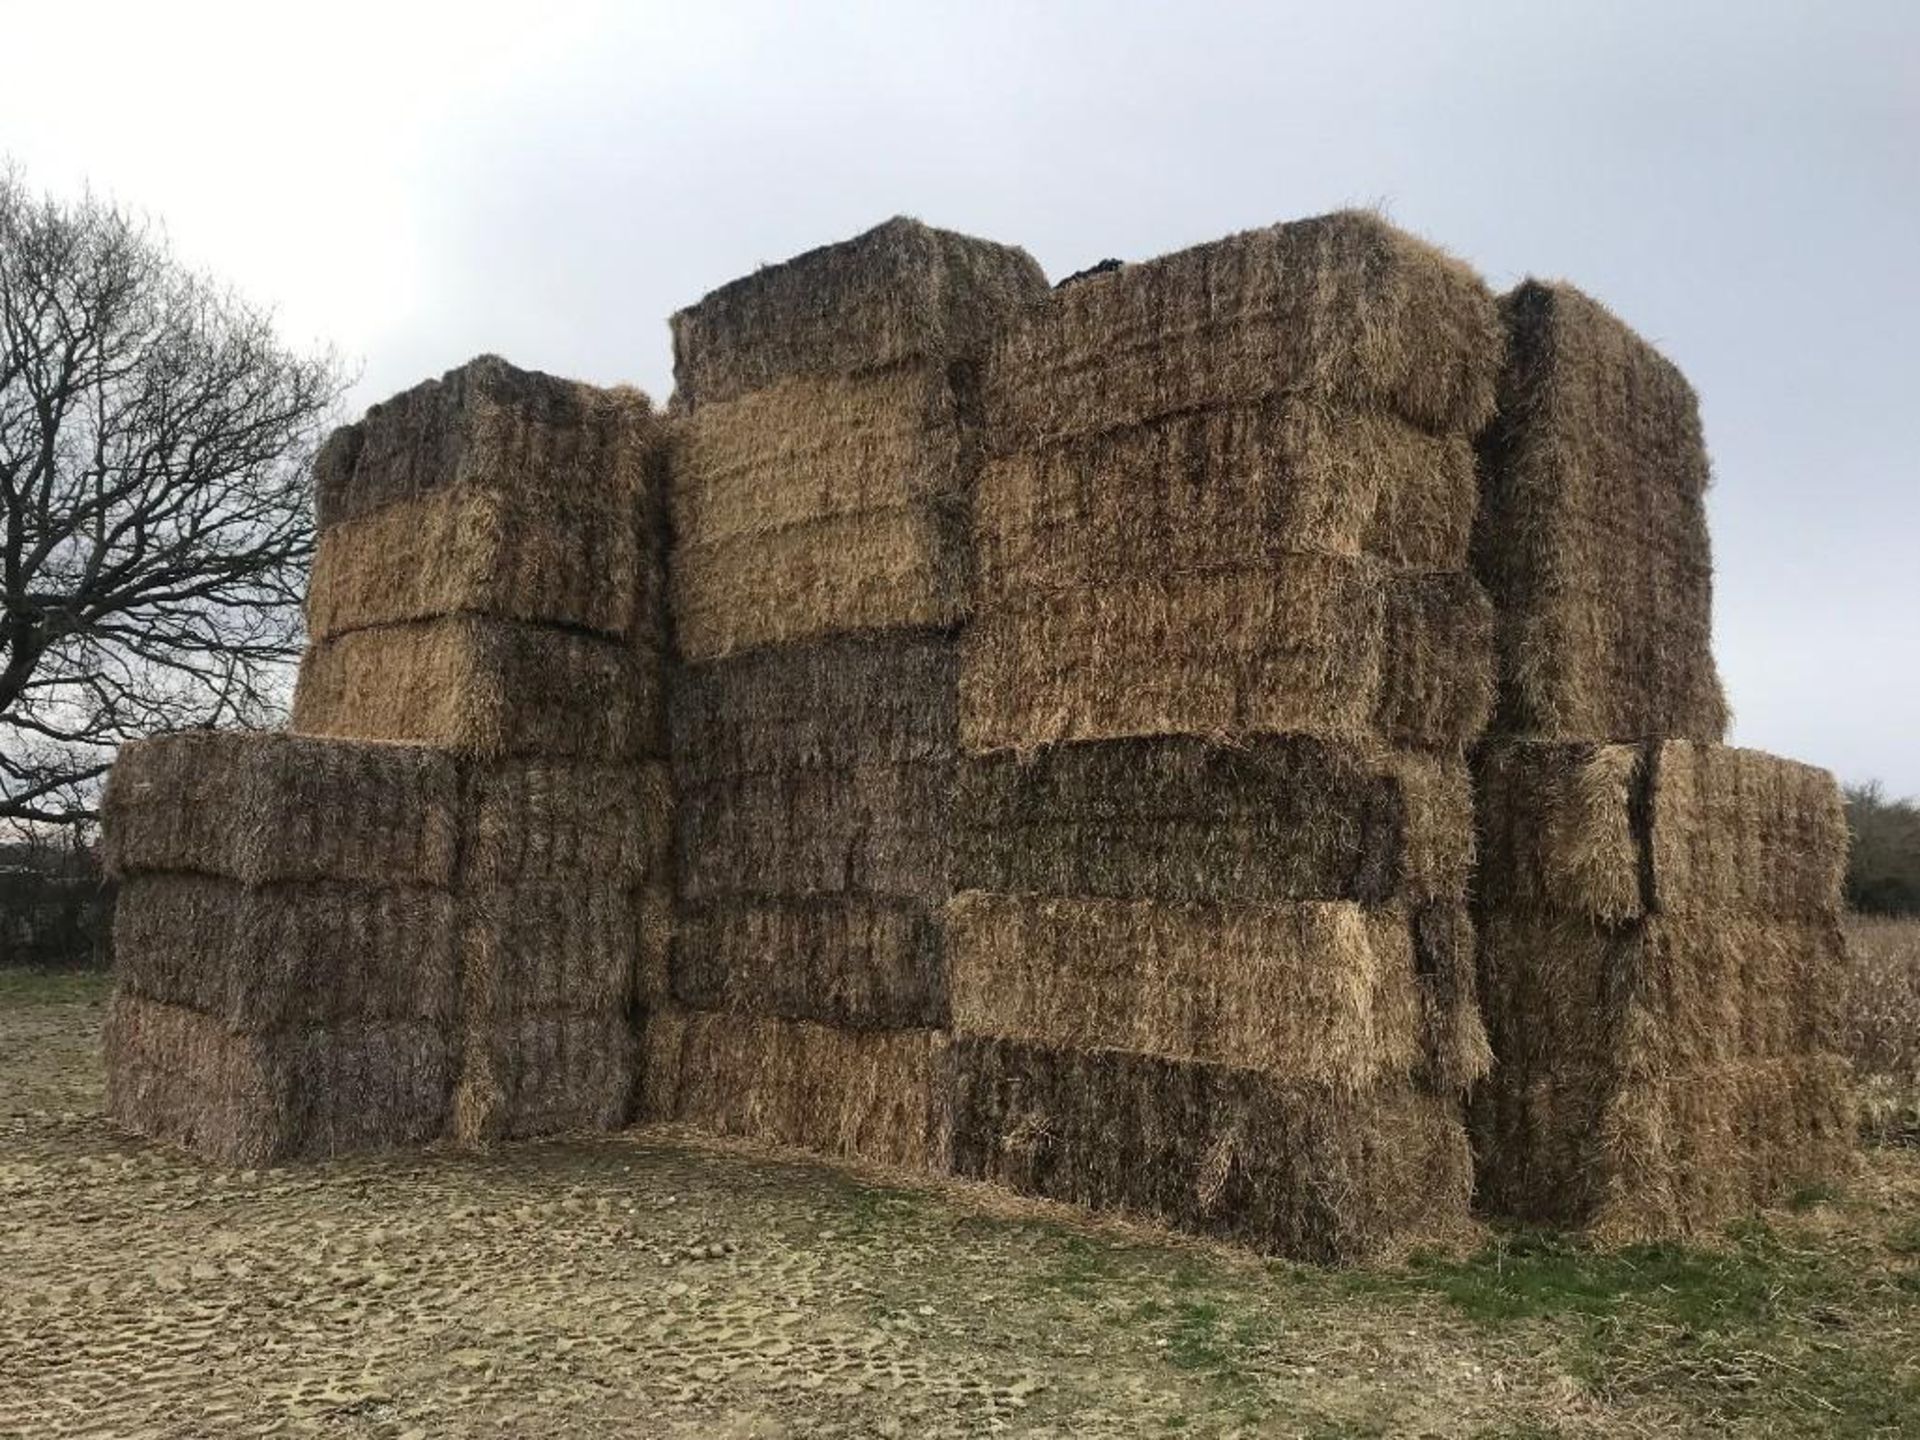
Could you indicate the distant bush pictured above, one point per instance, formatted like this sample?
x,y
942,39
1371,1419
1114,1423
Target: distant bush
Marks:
x,y
56,910
1883,867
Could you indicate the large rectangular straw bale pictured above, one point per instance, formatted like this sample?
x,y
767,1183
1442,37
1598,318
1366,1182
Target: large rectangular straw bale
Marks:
x,y
859,699
1667,994
863,829
581,561
876,570
1671,1155
902,291
1301,1171
1342,308
849,961
1304,647
1742,831
1685,828
491,428
247,1099
539,947
491,688
1225,488
1592,537
270,807
1180,819
544,1073
558,822
258,957
1315,991
1456,1051
860,1094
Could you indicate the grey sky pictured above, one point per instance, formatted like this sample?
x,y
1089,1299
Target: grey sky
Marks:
x,y
1740,181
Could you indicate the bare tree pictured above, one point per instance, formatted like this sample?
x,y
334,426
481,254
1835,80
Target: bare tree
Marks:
x,y
155,526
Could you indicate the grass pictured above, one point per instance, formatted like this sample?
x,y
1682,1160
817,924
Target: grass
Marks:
x,y
28,986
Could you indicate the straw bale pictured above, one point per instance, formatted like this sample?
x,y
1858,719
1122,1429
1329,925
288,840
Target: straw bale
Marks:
x,y
268,807
819,447
1743,831
1436,662
1228,488
653,957
1667,1157
1557,828
1291,649
1181,819
1456,1052
491,428
902,291
301,1092
1666,994
1343,309
490,688
584,562
544,1073
876,1095
883,698
558,822
539,947
309,952
1592,536
1316,992
1295,1170
863,829
847,961
881,569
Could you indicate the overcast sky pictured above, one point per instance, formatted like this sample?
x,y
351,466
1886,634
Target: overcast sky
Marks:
x,y
1741,182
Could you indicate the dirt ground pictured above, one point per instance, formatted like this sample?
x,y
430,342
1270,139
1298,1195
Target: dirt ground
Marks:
x,y
656,1285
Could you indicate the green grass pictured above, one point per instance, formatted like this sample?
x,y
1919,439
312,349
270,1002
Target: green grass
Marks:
x,y
54,987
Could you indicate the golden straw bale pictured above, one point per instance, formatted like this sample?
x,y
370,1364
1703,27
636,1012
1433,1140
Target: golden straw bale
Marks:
x,y
860,1094
1315,991
1343,308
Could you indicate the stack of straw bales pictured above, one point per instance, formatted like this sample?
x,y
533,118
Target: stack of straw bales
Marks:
x,y
487,641
1210,958
820,483
1660,950
286,943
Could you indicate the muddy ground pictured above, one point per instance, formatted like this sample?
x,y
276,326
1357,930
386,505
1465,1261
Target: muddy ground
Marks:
x,y
650,1284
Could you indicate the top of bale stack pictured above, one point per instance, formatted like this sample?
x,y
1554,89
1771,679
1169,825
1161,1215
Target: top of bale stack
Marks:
x,y
1343,308
491,427
1592,532
902,291
265,808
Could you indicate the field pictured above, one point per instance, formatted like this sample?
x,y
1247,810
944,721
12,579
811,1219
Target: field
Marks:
x,y
650,1284
1884,1036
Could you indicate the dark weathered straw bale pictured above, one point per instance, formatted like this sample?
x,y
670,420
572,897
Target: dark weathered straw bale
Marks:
x,y
877,1095
490,688
1557,829
489,427
1181,819
1436,662
864,829
559,822
1295,1170
1456,1052
297,1092
547,947
463,552
849,961
1229,488
544,1073
885,698
257,957
1344,309
1592,535
269,807
902,291
1320,992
